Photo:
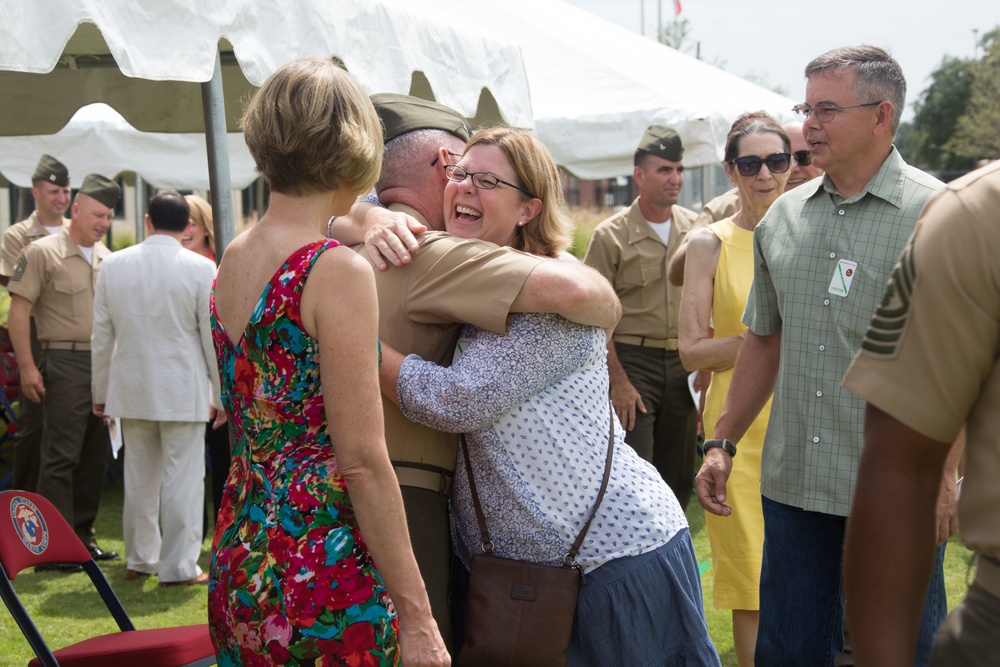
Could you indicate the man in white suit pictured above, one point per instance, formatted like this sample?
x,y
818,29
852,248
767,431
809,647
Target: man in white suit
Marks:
x,y
154,367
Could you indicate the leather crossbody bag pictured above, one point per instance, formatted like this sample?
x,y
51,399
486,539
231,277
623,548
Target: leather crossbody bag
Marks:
x,y
521,614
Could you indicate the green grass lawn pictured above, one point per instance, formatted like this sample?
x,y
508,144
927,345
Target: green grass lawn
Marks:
x,y
67,609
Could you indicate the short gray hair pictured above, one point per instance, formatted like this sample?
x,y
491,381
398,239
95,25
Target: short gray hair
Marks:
x,y
878,76
403,153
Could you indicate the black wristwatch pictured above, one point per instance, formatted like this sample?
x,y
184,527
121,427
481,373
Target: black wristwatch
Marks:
x,y
727,445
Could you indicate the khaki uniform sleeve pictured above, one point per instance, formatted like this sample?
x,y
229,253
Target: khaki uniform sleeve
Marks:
x,y
467,281
11,245
604,252
29,274
932,346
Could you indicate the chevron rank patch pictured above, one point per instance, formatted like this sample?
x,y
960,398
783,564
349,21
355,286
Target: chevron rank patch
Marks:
x,y
886,328
19,268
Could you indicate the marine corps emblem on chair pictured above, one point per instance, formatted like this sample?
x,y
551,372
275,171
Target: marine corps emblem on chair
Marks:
x,y
33,532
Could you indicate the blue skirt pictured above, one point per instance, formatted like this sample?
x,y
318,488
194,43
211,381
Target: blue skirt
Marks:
x,y
644,610
641,611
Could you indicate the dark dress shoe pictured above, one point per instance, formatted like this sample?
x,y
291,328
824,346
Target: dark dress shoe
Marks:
x,y
98,554
59,567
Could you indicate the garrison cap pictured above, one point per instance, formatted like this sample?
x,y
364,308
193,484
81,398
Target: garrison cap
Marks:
x,y
102,189
51,170
662,142
404,113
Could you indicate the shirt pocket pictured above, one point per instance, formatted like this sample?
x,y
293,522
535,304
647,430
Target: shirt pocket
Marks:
x,y
642,271
69,297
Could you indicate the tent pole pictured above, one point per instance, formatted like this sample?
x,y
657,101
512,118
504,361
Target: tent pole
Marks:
x,y
214,107
140,209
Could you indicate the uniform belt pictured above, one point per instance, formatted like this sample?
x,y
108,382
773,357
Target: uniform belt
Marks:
x,y
988,574
437,479
65,345
642,341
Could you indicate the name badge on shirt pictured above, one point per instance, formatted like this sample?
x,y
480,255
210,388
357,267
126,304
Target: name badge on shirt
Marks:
x,y
843,276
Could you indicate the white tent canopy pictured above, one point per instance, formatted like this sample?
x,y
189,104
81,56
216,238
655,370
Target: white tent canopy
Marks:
x,y
596,86
188,65
98,140
145,57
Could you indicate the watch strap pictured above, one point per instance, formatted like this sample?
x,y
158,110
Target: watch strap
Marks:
x,y
725,445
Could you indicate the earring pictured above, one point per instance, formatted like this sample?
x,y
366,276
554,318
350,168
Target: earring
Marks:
x,y
521,223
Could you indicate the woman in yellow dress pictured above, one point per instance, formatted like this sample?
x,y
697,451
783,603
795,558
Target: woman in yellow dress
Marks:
x,y
717,278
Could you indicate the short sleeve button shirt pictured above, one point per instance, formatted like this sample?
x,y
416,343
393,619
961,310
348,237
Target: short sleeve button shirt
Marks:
x,y
820,267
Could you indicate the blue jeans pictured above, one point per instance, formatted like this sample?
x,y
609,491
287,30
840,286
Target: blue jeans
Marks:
x,y
801,590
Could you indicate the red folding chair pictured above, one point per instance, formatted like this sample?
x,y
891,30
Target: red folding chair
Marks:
x,y
9,392
35,534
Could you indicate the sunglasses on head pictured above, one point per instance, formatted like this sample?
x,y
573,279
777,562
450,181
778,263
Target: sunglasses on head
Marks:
x,y
777,163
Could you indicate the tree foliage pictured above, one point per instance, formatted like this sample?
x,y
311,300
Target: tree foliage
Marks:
x,y
937,112
957,119
977,132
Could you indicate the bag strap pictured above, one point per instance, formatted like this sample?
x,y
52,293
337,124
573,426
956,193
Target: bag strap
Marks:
x,y
487,543
569,560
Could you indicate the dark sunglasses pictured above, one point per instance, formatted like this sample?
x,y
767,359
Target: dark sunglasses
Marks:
x,y
803,158
777,163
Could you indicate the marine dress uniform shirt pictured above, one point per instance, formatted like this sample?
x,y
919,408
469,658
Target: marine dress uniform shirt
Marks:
x,y
820,267
56,278
422,305
16,237
632,256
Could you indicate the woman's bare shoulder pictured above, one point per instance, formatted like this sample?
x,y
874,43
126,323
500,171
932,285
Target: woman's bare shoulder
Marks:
x,y
703,240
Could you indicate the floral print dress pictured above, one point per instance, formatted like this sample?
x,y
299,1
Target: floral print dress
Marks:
x,y
292,582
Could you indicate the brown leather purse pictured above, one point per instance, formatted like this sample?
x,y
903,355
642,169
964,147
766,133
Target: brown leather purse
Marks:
x,y
521,614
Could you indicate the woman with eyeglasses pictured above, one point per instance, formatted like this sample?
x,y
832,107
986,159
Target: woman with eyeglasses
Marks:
x,y
534,407
717,278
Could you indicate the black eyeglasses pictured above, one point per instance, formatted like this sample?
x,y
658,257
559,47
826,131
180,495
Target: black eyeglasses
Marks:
x,y
803,158
450,154
483,180
749,165
826,112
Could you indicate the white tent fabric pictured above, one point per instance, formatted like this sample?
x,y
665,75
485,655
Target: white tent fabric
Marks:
x,y
98,140
188,65
141,52
596,86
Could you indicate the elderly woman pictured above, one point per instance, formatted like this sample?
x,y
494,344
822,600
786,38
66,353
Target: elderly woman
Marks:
x,y
311,541
534,407
717,280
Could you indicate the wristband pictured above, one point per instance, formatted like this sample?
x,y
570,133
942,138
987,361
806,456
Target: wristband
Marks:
x,y
725,445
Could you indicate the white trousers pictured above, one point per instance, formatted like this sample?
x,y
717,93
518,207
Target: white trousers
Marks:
x,y
164,492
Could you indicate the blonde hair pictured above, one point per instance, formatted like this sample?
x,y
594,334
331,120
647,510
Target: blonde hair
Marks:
x,y
551,231
311,128
201,213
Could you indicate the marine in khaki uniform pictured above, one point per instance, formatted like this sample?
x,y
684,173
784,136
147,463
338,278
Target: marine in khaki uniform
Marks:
x,y
423,303
55,279
632,249
930,364
50,189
